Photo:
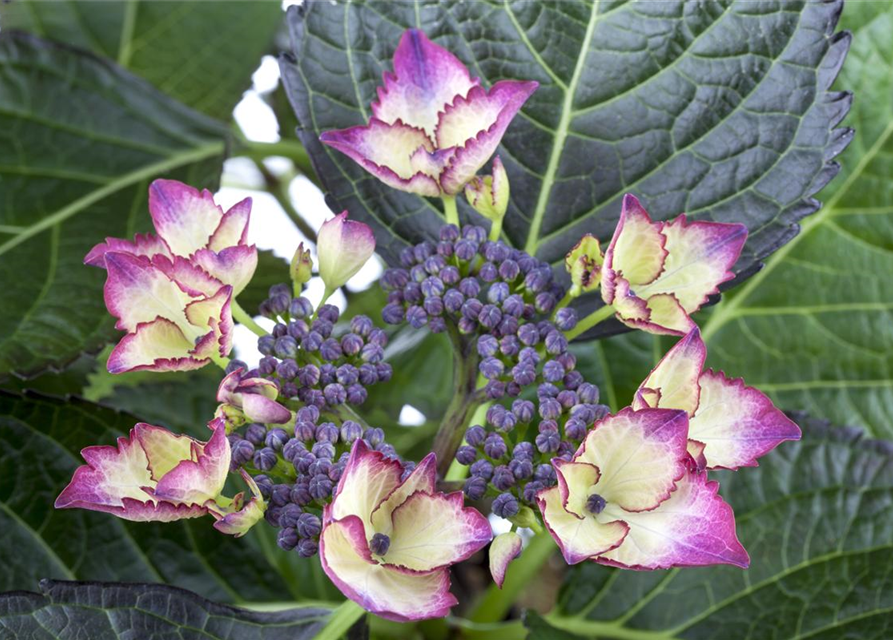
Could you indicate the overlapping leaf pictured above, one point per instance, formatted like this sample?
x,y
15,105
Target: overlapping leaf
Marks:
x,y
40,438
80,140
719,109
200,53
817,520
103,611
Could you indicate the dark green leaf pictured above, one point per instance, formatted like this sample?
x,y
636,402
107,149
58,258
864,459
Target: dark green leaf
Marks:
x,y
106,611
83,139
271,269
814,329
40,441
719,109
201,53
817,519
540,629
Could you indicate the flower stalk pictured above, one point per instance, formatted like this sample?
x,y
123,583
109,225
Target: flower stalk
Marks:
x,y
244,318
450,210
594,318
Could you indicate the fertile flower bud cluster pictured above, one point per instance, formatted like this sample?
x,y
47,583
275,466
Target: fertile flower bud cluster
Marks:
x,y
509,461
297,467
480,286
306,359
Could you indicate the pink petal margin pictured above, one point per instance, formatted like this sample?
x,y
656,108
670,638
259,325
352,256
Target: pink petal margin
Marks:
x,y
505,548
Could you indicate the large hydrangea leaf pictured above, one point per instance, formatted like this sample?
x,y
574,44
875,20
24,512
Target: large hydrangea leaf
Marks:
x,y
815,517
68,610
198,52
70,176
720,109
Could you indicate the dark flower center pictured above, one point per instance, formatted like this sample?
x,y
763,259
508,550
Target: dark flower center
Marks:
x,y
595,504
379,544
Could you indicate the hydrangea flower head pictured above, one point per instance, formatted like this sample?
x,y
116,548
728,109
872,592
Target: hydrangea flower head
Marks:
x,y
387,543
433,126
631,498
730,424
152,475
656,274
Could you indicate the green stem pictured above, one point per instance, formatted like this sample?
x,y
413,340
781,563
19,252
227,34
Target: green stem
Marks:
x,y
450,211
242,317
455,421
599,315
566,300
495,230
342,619
291,149
497,602
458,472
219,360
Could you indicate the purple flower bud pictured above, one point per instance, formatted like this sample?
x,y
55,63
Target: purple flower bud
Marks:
x,y
289,515
553,371
556,343
266,344
327,432
494,446
308,376
356,394
234,364
573,379
505,505
416,317
537,280
508,326
322,327
521,468
445,249
523,451
392,313
255,433
513,306
566,398
287,370
330,350
277,304
503,479
422,251
434,264
547,390
453,301
307,548
471,308
475,488
276,439
242,452
550,408
565,451
393,279
529,355
351,344
487,345
329,313
494,389
300,308
547,425
470,287
287,539
350,431
300,493
337,471
567,360
361,325
432,286
433,306
408,468
298,329
524,374
466,455
566,319
412,293
305,431
523,410
347,374
509,270
271,515
323,450
265,485
475,435
265,459
384,371
280,495
286,347
476,233
528,334
335,394
367,374
545,302
482,469
313,341
467,326
530,490
374,436
575,429
488,272
548,441
545,473
320,487
292,448
498,292
491,368
509,345
450,275
308,525
449,233
327,373
372,353
466,250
